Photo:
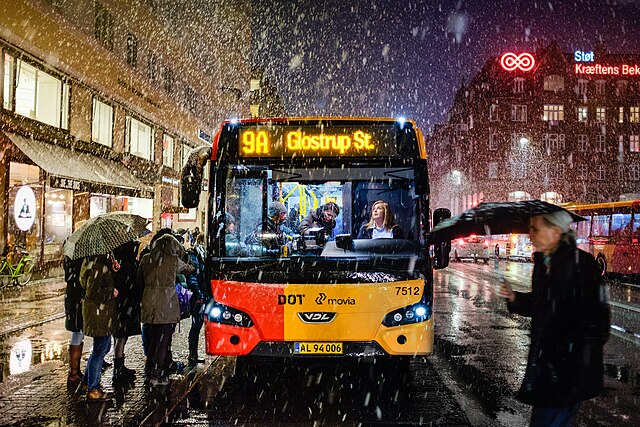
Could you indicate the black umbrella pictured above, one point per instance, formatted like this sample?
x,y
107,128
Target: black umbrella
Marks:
x,y
494,218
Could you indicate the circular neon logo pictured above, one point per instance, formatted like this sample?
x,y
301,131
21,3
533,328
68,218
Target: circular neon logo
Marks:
x,y
24,208
511,61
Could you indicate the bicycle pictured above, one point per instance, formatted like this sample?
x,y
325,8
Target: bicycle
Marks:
x,y
16,268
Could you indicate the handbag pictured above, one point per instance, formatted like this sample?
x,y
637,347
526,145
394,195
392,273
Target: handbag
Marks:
x,y
184,298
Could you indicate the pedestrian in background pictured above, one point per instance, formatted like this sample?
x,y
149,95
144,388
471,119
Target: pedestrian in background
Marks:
x,y
196,283
98,312
127,321
73,319
569,323
160,308
496,251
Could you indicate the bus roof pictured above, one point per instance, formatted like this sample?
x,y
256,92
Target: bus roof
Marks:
x,y
605,205
317,118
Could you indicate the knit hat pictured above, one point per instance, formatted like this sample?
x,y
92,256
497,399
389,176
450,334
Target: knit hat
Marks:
x,y
561,219
276,208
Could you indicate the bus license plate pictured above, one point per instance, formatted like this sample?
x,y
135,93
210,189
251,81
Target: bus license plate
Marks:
x,y
317,348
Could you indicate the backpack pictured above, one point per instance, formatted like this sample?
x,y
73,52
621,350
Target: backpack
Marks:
x,y
184,297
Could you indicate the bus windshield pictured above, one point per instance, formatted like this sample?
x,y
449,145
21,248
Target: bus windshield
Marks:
x,y
273,210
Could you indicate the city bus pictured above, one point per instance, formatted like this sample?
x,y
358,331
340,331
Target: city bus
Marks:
x,y
611,233
337,296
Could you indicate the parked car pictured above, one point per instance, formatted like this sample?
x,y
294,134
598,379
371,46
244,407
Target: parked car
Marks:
x,y
472,247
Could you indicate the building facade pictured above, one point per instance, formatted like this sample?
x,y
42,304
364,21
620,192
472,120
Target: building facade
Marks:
x,y
562,127
102,102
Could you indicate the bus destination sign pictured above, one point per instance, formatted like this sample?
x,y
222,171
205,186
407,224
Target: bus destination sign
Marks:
x,y
274,140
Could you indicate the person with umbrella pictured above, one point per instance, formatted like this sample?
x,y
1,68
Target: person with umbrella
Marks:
x,y
569,323
98,312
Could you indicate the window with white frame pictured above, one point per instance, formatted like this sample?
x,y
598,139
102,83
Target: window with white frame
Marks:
x,y
620,114
518,113
600,144
102,123
493,170
582,114
634,143
553,141
493,140
634,114
139,138
600,115
621,88
7,81
554,83
583,172
560,168
600,87
518,85
634,172
582,86
493,113
168,148
41,96
583,143
552,112
600,173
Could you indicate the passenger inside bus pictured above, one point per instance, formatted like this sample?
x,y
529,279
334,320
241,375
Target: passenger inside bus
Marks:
x,y
324,217
269,233
381,224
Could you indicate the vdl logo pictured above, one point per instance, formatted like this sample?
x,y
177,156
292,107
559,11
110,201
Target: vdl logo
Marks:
x,y
316,317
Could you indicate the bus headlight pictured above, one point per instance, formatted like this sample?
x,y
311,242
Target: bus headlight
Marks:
x,y
415,313
220,313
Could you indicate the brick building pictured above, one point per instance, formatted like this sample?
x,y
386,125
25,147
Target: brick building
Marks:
x,y
562,127
102,101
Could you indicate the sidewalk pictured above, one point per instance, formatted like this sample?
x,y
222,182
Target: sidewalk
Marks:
x,y
34,365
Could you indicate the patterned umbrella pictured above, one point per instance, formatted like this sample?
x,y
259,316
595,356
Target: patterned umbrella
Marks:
x,y
494,218
104,233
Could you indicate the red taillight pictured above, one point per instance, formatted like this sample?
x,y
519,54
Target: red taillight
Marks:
x,y
461,243
486,245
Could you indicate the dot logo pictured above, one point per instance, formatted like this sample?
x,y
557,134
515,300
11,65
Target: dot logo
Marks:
x,y
523,61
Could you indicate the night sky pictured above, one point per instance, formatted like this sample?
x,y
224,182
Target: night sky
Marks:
x,y
391,58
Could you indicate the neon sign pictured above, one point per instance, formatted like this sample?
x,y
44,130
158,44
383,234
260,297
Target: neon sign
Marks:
x,y
580,56
314,141
523,61
602,70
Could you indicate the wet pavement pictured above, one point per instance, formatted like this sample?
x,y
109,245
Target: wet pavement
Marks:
x,y
34,363
471,380
488,347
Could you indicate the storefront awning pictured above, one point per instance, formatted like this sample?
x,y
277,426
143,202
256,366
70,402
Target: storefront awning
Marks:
x,y
80,171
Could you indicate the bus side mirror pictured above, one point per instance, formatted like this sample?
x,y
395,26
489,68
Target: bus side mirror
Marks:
x,y
441,250
192,173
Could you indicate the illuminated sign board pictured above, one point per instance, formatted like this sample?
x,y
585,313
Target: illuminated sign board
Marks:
x,y
517,61
276,140
24,208
585,65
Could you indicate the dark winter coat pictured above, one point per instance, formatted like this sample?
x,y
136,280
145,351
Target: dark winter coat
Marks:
x,y
99,305
367,232
157,278
569,326
73,295
315,218
127,322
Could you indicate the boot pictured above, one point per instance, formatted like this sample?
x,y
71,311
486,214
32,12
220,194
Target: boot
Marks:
x,y
120,373
75,375
98,395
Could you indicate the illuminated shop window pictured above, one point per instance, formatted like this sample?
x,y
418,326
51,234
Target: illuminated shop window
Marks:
x,y
634,143
139,138
634,114
600,115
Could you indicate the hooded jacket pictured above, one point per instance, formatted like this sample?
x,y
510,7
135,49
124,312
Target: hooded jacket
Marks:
x,y
569,327
157,277
99,304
